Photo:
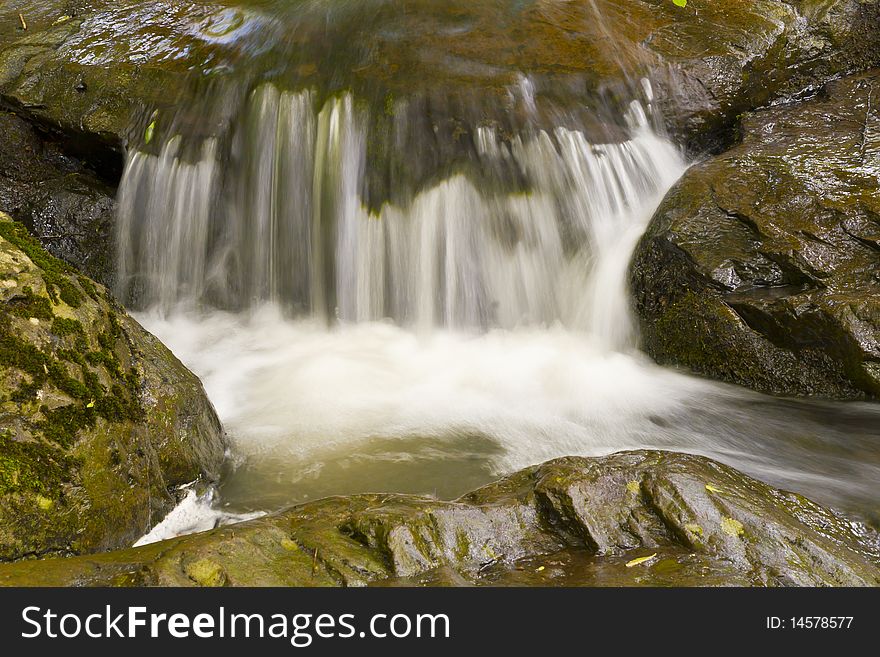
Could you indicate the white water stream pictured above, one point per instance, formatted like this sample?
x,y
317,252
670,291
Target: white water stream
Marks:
x,y
431,346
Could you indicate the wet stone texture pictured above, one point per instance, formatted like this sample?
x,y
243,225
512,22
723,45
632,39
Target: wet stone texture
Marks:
x,y
85,66
651,518
762,265
99,76
64,204
99,423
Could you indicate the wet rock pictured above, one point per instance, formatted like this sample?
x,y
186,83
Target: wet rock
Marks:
x,y
103,76
727,58
85,67
64,204
206,573
761,267
632,518
99,424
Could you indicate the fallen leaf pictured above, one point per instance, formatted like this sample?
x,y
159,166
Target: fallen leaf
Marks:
x,y
713,489
148,134
636,562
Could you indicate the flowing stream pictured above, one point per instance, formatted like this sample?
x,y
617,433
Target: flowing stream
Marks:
x,y
443,326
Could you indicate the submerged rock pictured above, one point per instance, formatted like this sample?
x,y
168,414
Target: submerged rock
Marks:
x,y
99,423
631,518
762,265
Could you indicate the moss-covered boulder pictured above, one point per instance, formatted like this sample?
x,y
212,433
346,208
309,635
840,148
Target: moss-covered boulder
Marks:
x,y
99,423
762,265
631,518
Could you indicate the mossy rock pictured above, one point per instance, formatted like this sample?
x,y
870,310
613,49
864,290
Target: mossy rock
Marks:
x,y
99,423
633,518
762,265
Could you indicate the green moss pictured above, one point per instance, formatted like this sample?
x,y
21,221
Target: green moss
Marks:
x,y
54,271
30,305
64,327
206,572
88,287
33,467
118,405
91,400
73,463
73,356
462,545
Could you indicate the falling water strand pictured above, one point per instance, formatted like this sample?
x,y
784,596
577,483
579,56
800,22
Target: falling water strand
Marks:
x,y
284,223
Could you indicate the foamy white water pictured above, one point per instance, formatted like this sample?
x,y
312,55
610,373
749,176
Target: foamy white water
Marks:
x,y
312,411
195,513
298,389
428,346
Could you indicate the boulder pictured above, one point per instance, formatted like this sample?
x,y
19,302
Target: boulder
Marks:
x,y
643,517
100,76
84,67
100,425
69,208
762,265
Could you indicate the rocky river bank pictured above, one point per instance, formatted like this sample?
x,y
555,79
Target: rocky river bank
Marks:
x,y
760,267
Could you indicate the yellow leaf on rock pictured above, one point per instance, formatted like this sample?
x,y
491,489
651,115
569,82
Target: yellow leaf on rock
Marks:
x,y
148,134
151,128
732,527
636,562
713,489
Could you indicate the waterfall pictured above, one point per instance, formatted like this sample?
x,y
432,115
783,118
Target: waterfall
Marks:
x,y
535,229
376,305
388,300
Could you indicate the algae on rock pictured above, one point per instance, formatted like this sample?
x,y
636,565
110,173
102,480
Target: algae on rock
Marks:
x,y
701,522
99,423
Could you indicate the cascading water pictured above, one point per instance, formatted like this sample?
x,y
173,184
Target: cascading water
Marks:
x,y
468,252
476,323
